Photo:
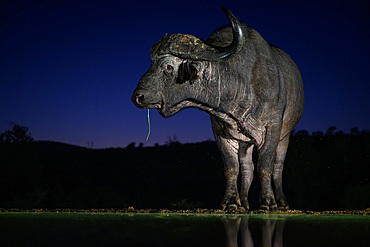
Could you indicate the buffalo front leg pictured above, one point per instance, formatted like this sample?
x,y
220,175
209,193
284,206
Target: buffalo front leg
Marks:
x,y
229,152
246,169
278,173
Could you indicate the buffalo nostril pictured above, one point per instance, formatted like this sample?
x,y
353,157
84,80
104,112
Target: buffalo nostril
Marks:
x,y
139,99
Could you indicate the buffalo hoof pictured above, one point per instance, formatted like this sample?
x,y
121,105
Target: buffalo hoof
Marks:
x,y
285,208
233,208
271,208
241,210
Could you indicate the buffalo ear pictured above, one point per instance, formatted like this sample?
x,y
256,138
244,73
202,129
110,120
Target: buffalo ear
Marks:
x,y
187,72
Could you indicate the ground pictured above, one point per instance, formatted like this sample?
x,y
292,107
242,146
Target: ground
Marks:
x,y
193,211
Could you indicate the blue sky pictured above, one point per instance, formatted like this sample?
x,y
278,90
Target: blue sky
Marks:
x,y
68,68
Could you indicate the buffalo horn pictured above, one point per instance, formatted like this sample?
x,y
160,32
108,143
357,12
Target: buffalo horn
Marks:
x,y
188,46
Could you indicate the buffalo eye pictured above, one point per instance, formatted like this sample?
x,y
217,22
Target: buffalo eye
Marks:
x,y
169,67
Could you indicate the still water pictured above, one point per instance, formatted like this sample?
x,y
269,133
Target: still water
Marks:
x,y
104,229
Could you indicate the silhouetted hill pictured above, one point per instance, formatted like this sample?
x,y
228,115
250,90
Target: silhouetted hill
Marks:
x,y
45,146
322,172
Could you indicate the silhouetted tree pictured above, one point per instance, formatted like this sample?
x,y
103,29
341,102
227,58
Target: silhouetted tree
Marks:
x,y
330,131
131,145
302,133
339,133
18,134
365,132
318,134
355,131
172,141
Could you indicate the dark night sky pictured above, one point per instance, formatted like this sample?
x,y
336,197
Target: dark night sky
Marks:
x,y
68,68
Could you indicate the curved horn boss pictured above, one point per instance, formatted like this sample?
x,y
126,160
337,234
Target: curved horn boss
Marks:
x,y
188,46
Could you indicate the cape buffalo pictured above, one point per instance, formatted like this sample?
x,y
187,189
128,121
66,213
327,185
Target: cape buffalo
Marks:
x,y
252,90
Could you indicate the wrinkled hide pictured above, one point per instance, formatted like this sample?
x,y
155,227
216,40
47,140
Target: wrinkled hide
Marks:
x,y
252,90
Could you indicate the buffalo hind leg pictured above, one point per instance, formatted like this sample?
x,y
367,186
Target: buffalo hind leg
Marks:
x,y
229,152
265,166
278,173
246,169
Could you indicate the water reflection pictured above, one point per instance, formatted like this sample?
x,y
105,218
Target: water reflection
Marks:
x,y
272,229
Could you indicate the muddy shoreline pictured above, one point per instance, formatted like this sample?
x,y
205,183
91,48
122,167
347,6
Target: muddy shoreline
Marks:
x,y
187,211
